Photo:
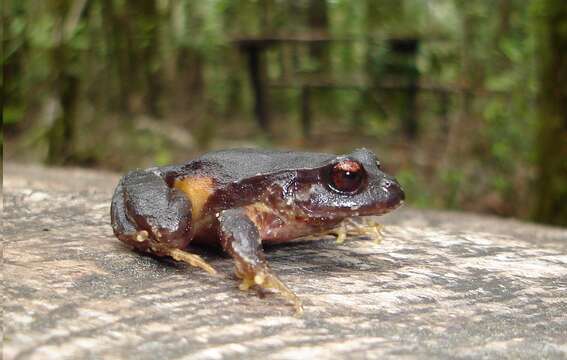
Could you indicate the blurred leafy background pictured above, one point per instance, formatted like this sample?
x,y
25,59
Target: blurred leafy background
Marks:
x,y
465,101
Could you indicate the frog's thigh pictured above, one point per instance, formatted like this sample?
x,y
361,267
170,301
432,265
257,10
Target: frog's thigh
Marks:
x,y
144,209
240,238
164,212
151,216
123,227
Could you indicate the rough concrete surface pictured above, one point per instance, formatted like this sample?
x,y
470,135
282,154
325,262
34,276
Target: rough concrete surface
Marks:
x,y
440,285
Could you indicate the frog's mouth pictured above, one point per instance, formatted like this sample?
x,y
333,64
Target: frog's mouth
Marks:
x,y
388,195
387,202
396,196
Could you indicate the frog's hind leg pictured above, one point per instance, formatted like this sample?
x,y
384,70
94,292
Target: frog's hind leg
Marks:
x,y
240,238
152,217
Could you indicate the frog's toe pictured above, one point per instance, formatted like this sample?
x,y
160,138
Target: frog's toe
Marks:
x,y
368,227
246,283
192,259
373,230
341,233
176,254
264,279
376,234
267,280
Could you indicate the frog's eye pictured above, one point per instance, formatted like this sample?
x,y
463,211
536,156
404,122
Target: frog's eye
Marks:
x,y
347,176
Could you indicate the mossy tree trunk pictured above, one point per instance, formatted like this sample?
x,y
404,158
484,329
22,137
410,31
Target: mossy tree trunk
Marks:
x,y
550,18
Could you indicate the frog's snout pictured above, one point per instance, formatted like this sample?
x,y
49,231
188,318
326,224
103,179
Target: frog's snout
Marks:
x,y
394,191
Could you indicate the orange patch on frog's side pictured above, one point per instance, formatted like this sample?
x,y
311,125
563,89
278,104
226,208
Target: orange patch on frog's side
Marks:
x,y
198,190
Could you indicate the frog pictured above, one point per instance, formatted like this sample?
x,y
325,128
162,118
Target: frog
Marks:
x,y
242,199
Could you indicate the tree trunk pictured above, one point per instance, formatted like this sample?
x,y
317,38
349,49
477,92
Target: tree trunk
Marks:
x,y
118,54
258,78
551,188
190,82
148,22
66,84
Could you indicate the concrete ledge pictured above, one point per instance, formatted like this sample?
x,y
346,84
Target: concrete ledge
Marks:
x,y
441,285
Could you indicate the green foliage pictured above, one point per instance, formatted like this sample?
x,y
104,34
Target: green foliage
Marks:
x,y
176,63
452,183
417,194
12,115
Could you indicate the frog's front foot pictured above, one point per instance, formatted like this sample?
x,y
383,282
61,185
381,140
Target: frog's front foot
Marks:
x,y
370,228
264,279
240,238
366,227
340,232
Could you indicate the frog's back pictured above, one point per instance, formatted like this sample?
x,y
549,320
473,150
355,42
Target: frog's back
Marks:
x,y
235,165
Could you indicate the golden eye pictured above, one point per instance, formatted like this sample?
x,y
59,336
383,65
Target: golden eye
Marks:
x,y
347,176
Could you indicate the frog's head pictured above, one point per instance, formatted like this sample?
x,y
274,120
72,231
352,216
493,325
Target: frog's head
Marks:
x,y
347,185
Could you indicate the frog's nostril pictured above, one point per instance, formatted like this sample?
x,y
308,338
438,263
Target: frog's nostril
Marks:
x,y
388,184
393,188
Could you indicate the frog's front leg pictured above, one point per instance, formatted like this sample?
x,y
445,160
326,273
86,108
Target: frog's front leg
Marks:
x,y
371,228
150,216
366,227
240,238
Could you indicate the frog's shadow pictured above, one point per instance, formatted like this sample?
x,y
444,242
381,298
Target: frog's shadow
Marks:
x,y
325,255
306,256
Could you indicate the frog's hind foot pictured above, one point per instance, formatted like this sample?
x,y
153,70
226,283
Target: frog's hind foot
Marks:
x,y
184,256
192,259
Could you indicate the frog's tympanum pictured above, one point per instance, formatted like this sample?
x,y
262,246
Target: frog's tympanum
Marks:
x,y
243,198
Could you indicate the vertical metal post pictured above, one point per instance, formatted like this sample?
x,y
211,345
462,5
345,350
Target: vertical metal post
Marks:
x,y
306,111
257,72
